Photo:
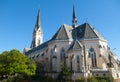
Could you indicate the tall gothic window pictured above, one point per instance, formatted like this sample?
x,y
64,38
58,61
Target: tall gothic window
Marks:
x,y
62,54
51,59
78,63
71,57
38,41
55,48
93,57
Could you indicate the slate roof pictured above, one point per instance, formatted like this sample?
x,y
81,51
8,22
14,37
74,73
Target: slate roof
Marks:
x,y
44,45
65,32
86,31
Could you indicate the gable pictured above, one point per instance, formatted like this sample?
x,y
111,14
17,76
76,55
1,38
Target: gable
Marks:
x,y
85,31
62,34
76,45
89,33
65,32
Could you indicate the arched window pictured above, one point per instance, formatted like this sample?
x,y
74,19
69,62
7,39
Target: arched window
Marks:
x,y
78,63
51,59
55,48
62,55
38,41
93,57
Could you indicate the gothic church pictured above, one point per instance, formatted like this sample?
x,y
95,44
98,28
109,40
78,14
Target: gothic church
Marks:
x,y
80,47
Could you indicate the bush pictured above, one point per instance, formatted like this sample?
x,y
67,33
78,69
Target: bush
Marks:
x,y
105,79
17,78
92,79
97,79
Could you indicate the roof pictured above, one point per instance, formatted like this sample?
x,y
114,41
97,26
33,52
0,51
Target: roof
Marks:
x,y
41,46
65,32
86,31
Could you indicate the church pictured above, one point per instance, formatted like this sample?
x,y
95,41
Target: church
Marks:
x,y
81,47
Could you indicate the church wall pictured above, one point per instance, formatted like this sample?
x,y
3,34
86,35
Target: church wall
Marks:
x,y
95,45
59,45
100,74
77,66
103,53
91,52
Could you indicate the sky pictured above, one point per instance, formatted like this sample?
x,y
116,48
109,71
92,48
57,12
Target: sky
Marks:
x,y
18,18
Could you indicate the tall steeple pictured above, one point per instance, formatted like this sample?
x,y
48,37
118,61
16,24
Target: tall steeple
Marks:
x,y
37,33
74,19
38,19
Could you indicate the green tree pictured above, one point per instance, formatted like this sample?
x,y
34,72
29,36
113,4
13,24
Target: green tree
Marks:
x,y
65,73
14,62
65,70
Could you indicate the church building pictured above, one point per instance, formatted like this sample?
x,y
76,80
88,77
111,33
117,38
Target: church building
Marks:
x,y
81,47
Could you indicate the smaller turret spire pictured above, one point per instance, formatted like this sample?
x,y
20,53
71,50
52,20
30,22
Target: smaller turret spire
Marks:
x,y
74,19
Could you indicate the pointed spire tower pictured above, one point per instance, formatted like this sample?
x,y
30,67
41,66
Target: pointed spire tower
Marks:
x,y
74,19
37,33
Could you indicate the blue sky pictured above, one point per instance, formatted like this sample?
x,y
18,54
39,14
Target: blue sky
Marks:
x,y
18,18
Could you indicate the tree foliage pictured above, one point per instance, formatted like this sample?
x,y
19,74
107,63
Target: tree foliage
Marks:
x,y
65,70
14,62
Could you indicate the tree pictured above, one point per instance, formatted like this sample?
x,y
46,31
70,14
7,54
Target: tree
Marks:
x,y
65,73
14,62
65,70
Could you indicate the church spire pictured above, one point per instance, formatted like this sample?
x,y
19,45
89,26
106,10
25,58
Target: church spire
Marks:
x,y
38,18
74,19
37,33
38,24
